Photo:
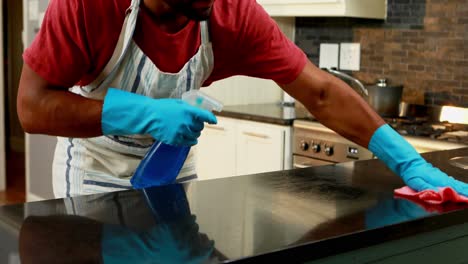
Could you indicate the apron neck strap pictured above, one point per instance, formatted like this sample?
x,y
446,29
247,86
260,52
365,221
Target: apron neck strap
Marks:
x,y
205,32
134,4
125,38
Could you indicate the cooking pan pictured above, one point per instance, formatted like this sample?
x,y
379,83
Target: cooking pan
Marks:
x,y
385,99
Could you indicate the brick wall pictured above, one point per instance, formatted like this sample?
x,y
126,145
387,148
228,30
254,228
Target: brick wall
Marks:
x,y
423,45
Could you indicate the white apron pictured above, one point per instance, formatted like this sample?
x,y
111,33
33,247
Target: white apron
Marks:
x,y
106,163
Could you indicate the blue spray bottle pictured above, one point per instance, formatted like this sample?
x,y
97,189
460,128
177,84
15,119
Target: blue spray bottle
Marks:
x,y
163,162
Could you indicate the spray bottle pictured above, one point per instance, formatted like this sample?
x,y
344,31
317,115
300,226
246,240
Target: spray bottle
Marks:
x,y
163,162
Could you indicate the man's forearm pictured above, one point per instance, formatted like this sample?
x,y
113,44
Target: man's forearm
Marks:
x,y
335,104
56,111
61,113
345,112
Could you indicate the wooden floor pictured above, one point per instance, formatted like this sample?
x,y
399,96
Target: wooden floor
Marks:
x,y
15,171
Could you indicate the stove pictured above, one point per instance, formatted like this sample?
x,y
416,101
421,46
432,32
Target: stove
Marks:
x,y
316,145
420,127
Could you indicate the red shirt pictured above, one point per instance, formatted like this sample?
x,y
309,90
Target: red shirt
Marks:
x,y
78,37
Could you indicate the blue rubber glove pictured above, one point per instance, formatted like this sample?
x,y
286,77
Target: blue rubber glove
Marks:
x,y
403,159
170,121
391,211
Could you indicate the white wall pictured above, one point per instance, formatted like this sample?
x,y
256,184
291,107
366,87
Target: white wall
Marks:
x,y
39,148
240,90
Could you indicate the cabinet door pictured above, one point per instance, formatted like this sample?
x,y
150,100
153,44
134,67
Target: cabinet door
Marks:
x,y
216,151
376,9
260,148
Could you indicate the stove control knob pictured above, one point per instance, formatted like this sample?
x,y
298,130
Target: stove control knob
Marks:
x,y
304,145
316,147
329,150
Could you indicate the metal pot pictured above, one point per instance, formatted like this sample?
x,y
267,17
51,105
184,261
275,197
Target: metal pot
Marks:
x,y
385,99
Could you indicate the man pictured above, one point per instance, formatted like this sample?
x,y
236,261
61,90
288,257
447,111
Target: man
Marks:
x,y
129,60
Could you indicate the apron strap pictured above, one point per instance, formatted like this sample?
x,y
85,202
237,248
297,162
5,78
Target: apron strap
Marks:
x,y
123,43
125,40
205,32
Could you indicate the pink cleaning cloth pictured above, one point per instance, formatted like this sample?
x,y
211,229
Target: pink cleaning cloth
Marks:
x,y
444,195
445,200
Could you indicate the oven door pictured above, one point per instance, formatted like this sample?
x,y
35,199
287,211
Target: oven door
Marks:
x,y
300,162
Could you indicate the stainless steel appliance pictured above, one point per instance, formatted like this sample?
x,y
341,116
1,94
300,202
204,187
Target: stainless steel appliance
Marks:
x,y
384,98
440,131
316,145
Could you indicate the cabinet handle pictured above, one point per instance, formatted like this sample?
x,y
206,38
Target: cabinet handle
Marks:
x,y
215,128
301,166
250,134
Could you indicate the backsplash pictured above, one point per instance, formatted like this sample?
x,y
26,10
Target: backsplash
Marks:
x,y
423,45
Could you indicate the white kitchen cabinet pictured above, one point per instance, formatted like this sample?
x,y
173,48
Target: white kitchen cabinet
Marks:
x,y
216,150
260,148
239,147
326,8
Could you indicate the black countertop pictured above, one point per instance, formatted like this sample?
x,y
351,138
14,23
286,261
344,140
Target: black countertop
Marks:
x,y
267,113
288,216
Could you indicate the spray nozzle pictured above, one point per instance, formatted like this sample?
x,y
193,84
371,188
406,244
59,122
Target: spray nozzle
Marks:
x,y
201,100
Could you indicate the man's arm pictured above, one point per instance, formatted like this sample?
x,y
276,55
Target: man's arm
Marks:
x,y
338,107
335,104
46,109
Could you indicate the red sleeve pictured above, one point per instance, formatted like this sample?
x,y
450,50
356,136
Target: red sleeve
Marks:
x,y
60,53
266,52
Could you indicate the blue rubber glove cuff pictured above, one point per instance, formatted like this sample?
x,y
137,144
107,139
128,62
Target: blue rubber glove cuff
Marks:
x,y
394,150
406,162
121,112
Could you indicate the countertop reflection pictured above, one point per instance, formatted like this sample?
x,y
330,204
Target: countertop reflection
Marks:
x,y
288,216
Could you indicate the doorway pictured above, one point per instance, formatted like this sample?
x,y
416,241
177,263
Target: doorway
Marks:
x,y
14,134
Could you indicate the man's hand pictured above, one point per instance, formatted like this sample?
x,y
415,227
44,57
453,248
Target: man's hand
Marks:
x,y
170,121
403,159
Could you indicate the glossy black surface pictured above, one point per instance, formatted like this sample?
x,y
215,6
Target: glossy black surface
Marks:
x,y
288,216
267,113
